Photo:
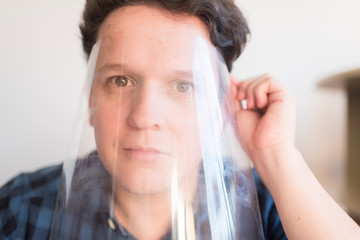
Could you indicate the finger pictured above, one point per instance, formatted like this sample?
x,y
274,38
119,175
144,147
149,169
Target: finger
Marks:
x,y
250,91
241,86
275,90
250,97
261,90
242,90
230,105
246,122
233,83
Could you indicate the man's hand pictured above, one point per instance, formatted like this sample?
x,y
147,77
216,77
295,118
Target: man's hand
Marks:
x,y
268,124
267,133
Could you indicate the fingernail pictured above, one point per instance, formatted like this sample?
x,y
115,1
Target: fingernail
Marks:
x,y
243,104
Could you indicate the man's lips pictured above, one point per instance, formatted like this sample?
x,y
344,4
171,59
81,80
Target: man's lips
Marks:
x,y
144,153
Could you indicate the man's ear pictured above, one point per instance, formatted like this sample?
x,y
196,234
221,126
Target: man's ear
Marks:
x,y
91,111
233,79
233,82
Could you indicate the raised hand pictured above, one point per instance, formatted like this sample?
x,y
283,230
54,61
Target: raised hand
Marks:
x,y
267,126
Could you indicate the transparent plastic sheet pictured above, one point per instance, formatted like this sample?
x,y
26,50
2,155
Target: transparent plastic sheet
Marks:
x,y
155,154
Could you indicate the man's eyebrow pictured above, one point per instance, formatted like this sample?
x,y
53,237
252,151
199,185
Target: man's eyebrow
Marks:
x,y
111,66
183,73
121,66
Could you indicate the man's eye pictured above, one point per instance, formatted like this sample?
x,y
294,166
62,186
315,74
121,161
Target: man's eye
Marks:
x,y
121,81
183,87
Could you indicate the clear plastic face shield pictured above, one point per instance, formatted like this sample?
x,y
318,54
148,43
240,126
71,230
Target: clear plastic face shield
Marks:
x,y
155,155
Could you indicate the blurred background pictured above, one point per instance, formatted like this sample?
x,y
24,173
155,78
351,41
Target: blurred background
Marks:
x,y
42,68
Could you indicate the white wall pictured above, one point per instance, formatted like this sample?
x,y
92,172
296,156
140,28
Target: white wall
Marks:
x,y
299,42
41,72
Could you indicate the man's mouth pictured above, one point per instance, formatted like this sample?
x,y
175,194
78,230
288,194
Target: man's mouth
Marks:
x,y
144,153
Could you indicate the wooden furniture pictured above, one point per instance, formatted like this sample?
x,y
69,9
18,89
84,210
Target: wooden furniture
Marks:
x,y
350,82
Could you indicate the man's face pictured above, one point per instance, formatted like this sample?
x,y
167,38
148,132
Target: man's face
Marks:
x,y
142,101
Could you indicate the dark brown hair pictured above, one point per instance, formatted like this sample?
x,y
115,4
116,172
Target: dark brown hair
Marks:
x,y
227,26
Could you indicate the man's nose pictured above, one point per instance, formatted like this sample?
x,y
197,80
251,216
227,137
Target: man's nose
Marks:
x,y
147,108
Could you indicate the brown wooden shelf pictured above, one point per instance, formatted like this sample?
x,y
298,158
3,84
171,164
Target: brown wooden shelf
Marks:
x,y
350,82
345,80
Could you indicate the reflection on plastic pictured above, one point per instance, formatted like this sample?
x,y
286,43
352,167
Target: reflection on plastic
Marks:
x,y
155,148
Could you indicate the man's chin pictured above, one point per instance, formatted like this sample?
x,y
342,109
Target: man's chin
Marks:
x,y
137,190
144,183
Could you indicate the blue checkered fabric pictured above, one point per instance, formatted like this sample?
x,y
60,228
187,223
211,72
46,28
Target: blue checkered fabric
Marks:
x,y
27,205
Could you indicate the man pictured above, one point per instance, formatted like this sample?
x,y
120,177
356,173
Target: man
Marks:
x,y
147,113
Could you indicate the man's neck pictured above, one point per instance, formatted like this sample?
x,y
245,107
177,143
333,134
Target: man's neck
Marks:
x,y
144,216
148,216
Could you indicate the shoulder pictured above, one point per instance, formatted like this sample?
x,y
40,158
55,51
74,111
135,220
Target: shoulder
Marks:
x,y
27,198
40,183
270,218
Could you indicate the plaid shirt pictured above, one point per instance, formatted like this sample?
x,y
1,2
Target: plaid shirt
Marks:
x,y
27,205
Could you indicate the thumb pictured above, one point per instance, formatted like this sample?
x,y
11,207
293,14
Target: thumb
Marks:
x,y
246,123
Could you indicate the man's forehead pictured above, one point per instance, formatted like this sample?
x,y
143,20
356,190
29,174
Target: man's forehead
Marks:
x,y
132,19
141,39
153,54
